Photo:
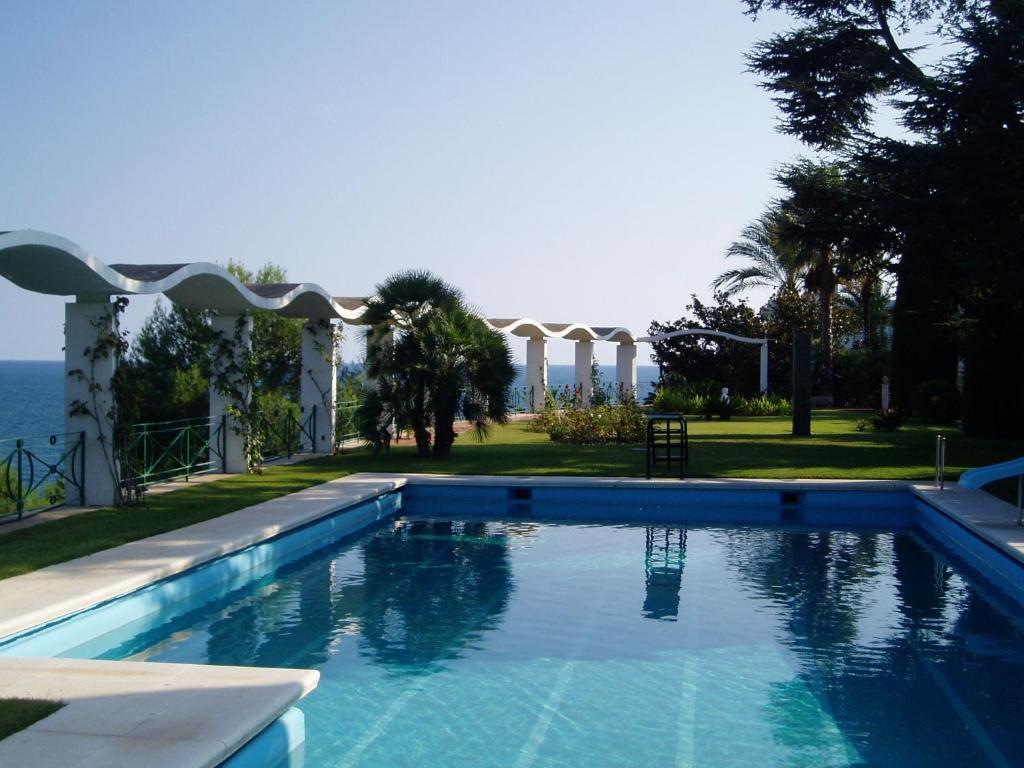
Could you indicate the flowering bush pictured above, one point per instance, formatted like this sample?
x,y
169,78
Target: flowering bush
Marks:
x,y
598,424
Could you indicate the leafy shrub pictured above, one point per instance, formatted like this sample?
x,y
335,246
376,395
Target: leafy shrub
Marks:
x,y
763,405
889,420
707,402
598,424
937,401
858,377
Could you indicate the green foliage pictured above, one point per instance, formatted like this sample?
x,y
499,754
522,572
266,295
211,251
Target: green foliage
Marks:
x,y
936,401
889,420
16,714
276,340
762,405
168,366
946,199
594,425
705,400
690,359
859,373
771,261
432,360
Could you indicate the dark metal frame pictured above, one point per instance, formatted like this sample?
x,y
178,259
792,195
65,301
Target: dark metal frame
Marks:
x,y
25,471
661,428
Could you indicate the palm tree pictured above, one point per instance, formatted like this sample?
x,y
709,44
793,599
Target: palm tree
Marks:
x,y
772,262
818,216
441,360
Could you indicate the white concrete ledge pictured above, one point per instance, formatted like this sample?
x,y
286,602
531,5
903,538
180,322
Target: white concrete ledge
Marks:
x,y
990,518
122,713
50,593
707,484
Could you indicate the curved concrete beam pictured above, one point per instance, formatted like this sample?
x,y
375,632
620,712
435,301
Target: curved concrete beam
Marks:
x,y
46,263
701,332
532,329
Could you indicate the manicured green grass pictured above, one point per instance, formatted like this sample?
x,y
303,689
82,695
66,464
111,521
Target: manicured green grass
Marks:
x,y
16,714
742,447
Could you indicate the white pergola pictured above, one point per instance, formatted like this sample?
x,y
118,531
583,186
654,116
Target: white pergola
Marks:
x,y
584,336
49,264
46,263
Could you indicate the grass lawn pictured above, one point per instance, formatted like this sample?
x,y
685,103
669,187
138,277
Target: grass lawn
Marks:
x,y
742,447
16,714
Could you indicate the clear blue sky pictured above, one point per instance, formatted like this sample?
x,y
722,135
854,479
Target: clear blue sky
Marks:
x,y
569,161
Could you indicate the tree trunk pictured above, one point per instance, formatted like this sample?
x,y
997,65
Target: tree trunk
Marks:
x,y
867,302
419,423
444,427
826,289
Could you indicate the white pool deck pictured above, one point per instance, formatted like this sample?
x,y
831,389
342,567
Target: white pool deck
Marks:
x,y
152,714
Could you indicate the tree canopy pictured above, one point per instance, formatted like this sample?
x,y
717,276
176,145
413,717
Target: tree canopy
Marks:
x,y
946,197
431,360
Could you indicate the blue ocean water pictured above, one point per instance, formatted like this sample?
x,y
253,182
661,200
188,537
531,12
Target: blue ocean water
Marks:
x,y
31,398
32,392
565,375
519,642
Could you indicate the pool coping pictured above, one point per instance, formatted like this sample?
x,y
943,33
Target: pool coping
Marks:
x,y
43,596
144,713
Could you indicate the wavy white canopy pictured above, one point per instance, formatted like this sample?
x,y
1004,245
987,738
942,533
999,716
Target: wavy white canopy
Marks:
x,y
46,263
531,329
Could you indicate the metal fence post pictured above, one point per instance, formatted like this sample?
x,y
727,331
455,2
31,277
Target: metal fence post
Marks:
x,y
18,446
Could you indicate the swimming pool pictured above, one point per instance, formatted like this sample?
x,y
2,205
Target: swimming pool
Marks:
x,y
509,626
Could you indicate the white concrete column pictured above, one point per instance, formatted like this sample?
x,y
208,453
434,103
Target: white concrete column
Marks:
x,y
319,387
764,368
625,368
584,361
537,372
236,333
88,398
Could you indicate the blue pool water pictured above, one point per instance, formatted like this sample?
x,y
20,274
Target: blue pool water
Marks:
x,y
452,639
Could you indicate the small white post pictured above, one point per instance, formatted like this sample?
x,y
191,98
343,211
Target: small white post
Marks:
x,y
87,392
584,362
885,393
625,368
318,389
233,441
764,367
537,372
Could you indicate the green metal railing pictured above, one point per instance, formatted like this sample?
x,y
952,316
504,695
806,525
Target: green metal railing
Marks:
x,y
285,434
345,427
170,450
520,400
37,473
